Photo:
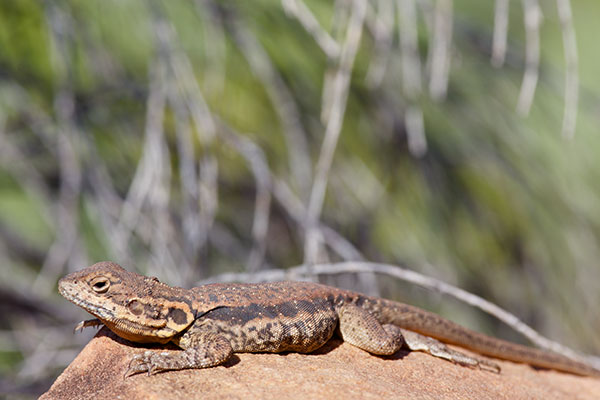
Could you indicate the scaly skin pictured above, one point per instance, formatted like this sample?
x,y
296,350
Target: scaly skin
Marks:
x,y
212,322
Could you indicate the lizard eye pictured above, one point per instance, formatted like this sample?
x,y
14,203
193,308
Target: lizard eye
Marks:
x,y
100,284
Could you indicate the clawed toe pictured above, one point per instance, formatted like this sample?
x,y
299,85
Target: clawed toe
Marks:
x,y
140,363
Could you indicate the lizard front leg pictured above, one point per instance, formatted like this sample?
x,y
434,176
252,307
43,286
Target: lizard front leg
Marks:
x,y
200,350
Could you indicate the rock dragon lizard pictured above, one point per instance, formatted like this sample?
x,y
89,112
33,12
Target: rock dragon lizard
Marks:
x,y
211,322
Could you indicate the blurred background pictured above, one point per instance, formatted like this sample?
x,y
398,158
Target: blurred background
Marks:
x,y
187,139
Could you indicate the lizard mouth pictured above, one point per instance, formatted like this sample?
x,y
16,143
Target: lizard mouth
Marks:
x,y
120,324
69,292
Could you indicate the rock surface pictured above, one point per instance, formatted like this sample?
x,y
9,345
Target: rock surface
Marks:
x,y
336,370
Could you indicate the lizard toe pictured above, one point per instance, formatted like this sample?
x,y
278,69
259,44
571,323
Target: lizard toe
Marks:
x,y
139,363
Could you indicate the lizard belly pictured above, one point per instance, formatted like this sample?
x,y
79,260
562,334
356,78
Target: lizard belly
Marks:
x,y
300,326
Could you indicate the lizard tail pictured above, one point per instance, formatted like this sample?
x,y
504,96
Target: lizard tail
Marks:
x,y
432,325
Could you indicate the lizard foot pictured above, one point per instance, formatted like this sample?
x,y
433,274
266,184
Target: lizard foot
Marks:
x,y
148,361
418,342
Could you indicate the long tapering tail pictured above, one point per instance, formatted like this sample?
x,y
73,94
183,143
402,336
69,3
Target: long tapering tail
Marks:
x,y
435,326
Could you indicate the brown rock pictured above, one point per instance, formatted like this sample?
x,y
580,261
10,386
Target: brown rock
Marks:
x,y
336,370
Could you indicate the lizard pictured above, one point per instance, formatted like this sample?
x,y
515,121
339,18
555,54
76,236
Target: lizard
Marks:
x,y
211,322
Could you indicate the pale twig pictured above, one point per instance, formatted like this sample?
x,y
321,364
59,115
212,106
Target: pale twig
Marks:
x,y
151,183
31,181
299,10
190,213
262,175
165,251
148,170
500,33
287,198
282,101
415,131
178,70
102,62
107,202
205,126
440,50
227,243
333,128
199,189
381,24
533,19
411,63
303,271
411,75
215,49
42,347
571,74
339,21
188,84
335,241
63,250
295,209
427,10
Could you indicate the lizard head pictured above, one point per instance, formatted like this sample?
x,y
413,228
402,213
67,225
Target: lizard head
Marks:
x,y
135,307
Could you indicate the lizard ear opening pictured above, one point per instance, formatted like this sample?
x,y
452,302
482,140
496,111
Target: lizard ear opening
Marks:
x,y
100,284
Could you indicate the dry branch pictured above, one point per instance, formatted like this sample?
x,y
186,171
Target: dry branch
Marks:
x,y
339,94
571,74
533,20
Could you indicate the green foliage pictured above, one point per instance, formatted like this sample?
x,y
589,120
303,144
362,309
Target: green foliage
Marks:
x,y
500,204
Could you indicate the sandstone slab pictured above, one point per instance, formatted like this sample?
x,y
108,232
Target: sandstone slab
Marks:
x,y
335,371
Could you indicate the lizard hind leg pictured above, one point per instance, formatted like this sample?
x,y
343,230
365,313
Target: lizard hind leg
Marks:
x,y
418,342
361,329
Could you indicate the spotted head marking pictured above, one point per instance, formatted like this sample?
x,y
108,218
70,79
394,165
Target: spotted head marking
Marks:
x,y
135,307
